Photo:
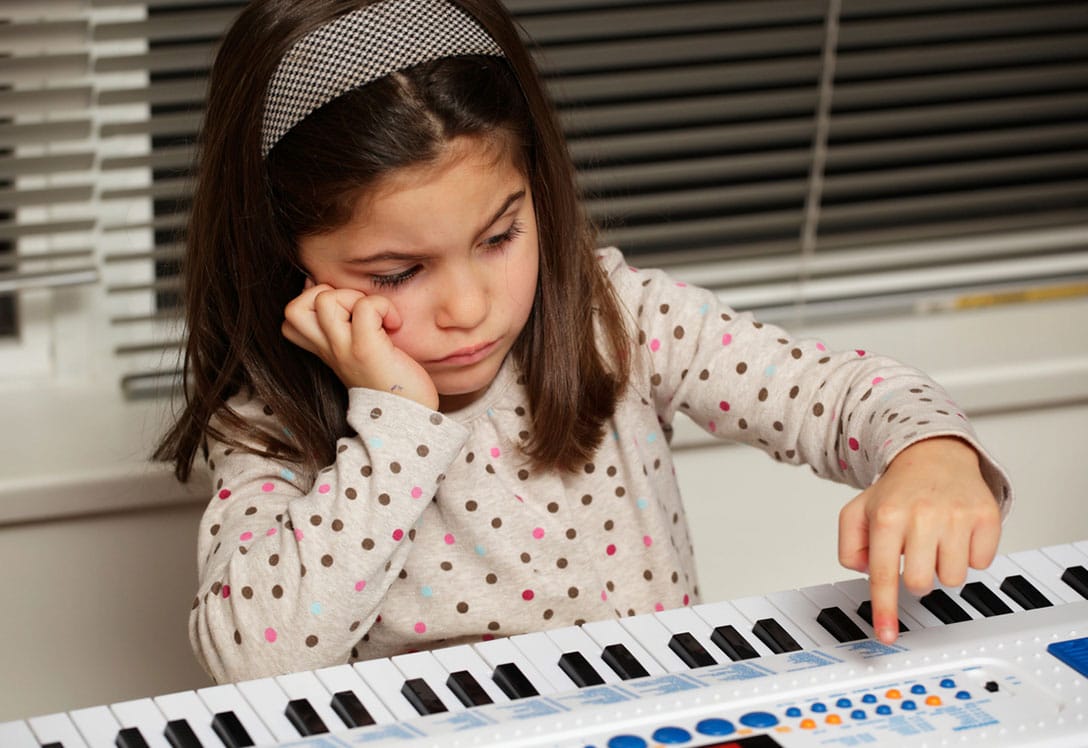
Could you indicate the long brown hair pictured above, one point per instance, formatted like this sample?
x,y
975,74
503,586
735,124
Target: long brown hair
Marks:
x,y
241,266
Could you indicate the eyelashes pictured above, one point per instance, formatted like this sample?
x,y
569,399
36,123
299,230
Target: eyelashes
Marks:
x,y
493,244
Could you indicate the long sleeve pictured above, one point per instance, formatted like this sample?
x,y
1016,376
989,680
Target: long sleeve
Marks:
x,y
845,413
293,569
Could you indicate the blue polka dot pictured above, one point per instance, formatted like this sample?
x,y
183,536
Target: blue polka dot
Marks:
x,y
376,442
287,432
770,370
480,550
315,608
642,503
426,590
287,474
652,437
704,308
491,412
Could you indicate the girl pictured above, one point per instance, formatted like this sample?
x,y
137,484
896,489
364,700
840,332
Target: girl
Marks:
x,y
434,412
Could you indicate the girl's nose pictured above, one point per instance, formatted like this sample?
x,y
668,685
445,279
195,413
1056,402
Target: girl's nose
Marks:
x,y
464,303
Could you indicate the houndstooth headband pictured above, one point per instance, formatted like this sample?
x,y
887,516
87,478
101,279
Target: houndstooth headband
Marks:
x,y
360,47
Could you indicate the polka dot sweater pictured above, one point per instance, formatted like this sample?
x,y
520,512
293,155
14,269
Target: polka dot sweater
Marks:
x,y
432,529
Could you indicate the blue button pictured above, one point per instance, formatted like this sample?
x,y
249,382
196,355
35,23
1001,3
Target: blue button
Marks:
x,y
819,707
793,711
758,719
963,695
884,709
868,699
918,689
948,683
626,741
858,714
909,705
671,735
715,726
844,703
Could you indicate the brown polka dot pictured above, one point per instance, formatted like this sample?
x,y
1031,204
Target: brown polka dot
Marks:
x,y
675,577
315,520
496,522
678,332
561,563
620,490
394,467
311,641
446,565
351,494
519,410
587,500
664,308
215,529
436,418
366,471
326,560
251,510
655,380
611,587
216,586
794,391
704,375
818,409
490,468
611,471
571,533
355,625
526,558
368,544
572,592
337,525
403,574
548,614
553,507
778,426
470,457
277,592
383,499
247,593
471,505
273,559
742,367
492,625
423,450
763,395
523,474
237,636
376,413
589,467
462,607
491,579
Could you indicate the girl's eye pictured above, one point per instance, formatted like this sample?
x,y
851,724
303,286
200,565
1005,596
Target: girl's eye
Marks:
x,y
501,240
396,279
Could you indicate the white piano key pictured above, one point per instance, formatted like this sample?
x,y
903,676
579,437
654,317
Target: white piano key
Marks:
x,y
227,698
1047,572
724,613
1003,567
993,584
187,705
499,651
654,637
97,725
57,728
345,678
574,639
305,685
800,616
386,681
1082,546
609,632
858,591
17,735
828,596
1066,555
756,608
146,717
269,702
910,603
464,657
544,654
424,665
681,620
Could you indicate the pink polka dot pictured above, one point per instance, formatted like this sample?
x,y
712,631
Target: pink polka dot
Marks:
x,y
604,594
610,550
487,637
226,590
659,607
727,339
842,464
538,532
647,541
877,380
271,531
360,585
298,534
821,347
854,444
527,595
398,534
245,536
416,492
887,443
268,487
723,406
224,494
519,498
681,284
712,426
495,452
686,599
420,627
655,345
270,635
324,488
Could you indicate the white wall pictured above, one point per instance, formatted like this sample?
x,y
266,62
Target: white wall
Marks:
x,y
97,549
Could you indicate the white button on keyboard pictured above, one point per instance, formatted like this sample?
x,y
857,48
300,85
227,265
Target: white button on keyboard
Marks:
x,y
17,735
609,632
227,698
386,681
464,657
305,685
500,651
1004,567
424,665
345,678
654,637
146,717
57,728
798,616
544,654
1047,572
726,614
574,639
269,702
187,705
97,725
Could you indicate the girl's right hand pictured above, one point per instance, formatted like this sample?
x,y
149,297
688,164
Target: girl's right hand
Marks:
x,y
349,331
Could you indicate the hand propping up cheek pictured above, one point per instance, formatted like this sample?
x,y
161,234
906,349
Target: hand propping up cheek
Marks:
x,y
933,508
349,331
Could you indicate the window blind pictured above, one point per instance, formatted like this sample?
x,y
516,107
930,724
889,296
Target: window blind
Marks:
x,y
832,156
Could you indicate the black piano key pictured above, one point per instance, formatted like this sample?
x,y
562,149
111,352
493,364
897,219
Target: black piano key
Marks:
x,y
130,737
620,659
1024,593
688,649
944,607
466,688
578,669
54,744
513,682
421,697
865,612
180,735
771,633
839,625
350,710
730,641
301,714
984,600
1077,578
231,731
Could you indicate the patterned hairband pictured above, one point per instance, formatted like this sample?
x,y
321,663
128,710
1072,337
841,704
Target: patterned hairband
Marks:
x,y
360,47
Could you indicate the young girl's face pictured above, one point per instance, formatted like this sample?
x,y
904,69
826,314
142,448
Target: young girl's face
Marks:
x,y
453,245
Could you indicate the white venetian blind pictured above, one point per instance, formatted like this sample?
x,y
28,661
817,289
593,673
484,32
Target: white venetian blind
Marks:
x,y
843,155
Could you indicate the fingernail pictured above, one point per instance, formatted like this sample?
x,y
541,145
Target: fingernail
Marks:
x,y
886,634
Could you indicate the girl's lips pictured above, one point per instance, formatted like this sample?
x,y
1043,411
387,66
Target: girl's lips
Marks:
x,y
469,355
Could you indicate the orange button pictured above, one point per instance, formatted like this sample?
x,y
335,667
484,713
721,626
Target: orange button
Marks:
x,y
808,724
833,719
933,700
893,693
782,728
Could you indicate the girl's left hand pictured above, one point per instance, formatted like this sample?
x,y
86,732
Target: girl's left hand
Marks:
x,y
933,508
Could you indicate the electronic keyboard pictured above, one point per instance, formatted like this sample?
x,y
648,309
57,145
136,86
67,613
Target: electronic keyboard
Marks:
x,y
1000,661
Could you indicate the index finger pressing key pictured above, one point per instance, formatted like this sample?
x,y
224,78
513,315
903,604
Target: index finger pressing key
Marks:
x,y
884,590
